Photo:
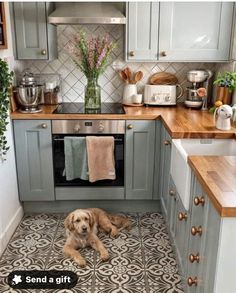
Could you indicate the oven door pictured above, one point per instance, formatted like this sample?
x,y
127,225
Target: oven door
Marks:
x,y
59,163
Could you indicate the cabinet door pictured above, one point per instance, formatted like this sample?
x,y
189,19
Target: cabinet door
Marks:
x,y
33,145
139,159
142,31
165,167
195,31
30,30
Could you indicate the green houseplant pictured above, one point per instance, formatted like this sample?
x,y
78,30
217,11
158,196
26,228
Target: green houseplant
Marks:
x,y
91,55
226,84
5,82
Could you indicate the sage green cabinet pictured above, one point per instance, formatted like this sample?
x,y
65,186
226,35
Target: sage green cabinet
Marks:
x,y
33,146
170,31
164,174
142,31
33,36
183,36
139,159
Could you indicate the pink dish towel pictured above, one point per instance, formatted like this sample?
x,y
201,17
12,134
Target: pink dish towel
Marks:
x,y
101,161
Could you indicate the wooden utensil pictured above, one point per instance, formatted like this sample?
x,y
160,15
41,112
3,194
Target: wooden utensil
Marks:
x,y
163,78
129,74
138,76
123,76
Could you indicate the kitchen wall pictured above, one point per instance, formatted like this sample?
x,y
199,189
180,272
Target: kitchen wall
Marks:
x,y
11,211
73,81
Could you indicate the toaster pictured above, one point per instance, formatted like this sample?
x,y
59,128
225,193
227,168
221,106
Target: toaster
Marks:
x,y
161,95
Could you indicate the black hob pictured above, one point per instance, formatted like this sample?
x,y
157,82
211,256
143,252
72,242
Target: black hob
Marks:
x,y
78,108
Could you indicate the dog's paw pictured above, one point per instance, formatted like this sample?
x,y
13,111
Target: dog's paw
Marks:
x,y
80,261
105,255
114,232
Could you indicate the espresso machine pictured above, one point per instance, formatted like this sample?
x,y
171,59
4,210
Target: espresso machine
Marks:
x,y
199,91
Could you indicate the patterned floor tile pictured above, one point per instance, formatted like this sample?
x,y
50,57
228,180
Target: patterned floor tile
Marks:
x,y
141,260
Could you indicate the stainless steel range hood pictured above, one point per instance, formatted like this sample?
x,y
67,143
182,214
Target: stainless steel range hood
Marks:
x,y
87,13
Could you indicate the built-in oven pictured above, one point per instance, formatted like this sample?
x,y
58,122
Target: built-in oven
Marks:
x,y
83,128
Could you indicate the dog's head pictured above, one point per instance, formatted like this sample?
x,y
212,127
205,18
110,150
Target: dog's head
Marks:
x,y
80,222
225,112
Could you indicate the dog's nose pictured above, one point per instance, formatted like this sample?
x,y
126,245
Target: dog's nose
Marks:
x,y
84,229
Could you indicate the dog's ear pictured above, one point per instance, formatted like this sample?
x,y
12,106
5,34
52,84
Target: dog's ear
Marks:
x,y
69,222
91,219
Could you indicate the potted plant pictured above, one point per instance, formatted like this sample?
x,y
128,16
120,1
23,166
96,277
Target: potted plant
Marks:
x,y
226,84
5,82
91,56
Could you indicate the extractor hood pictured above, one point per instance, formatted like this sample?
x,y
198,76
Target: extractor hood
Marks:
x,y
87,13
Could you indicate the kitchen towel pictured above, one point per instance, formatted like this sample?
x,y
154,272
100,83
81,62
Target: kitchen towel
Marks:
x,y
76,165
101,161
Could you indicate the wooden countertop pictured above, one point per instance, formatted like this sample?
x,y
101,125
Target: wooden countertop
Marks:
x,y
217,176
179,121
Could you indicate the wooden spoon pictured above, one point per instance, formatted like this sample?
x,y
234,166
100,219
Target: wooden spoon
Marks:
x,y
138,76
128,73
123,76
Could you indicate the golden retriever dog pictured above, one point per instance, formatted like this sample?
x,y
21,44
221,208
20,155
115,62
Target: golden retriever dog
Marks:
x,y
81,229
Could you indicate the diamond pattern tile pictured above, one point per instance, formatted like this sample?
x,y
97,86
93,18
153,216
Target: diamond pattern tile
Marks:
x,y
72,77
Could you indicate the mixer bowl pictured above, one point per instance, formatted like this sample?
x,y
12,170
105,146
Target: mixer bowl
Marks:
x,y
197,75
29,96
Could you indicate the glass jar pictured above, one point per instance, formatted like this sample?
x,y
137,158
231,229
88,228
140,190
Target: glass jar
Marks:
x,y
92,97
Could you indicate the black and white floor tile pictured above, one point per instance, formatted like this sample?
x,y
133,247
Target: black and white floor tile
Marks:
x,y
141,260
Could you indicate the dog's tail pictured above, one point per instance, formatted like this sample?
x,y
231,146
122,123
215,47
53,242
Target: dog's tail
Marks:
x,y
120,221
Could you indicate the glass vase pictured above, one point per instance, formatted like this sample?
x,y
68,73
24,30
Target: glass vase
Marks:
x,y
92,97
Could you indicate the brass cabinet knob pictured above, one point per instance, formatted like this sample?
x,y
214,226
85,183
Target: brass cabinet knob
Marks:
x,y
196,230
172,192
163,54
192,258
130,126
167,142
192,281
44,125
199,200
131,53
43,52
182,216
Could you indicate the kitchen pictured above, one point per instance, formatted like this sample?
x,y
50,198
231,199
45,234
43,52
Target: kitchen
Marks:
x,y
175,168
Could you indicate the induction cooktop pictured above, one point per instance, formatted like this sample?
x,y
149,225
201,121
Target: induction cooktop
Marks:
x,y
78,108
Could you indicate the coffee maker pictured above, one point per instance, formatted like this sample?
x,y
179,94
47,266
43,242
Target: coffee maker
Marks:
x,y
200,80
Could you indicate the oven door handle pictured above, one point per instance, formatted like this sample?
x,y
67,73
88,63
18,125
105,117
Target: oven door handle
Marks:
x,y
62,139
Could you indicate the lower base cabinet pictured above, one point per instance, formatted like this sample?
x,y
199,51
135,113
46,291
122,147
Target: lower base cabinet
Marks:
x,y
33,145
203,240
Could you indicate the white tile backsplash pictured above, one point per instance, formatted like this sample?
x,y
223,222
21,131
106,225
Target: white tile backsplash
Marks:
x,y
73,81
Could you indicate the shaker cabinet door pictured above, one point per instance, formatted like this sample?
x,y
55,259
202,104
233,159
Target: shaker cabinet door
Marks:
x,y
33,144
195,31
142,31
30,30
139,159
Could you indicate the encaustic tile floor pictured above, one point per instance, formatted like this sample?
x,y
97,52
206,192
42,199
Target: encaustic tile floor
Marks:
x,y
141,260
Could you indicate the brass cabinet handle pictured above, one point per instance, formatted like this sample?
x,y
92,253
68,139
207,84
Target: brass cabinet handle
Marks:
x,y
130,126
196,230
192,258
163,54
182,216
199,200
131,53
43,52
172,192
44,125
167,142
192,281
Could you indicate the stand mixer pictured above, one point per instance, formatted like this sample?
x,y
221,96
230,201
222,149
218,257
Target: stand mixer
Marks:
x,y
200,84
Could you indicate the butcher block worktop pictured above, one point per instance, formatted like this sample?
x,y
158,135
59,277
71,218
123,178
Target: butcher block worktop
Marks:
x,y
217,177
179,121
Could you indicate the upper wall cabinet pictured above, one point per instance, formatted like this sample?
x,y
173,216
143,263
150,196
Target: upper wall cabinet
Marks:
x,y
142,31
195,31
188,31
34,37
